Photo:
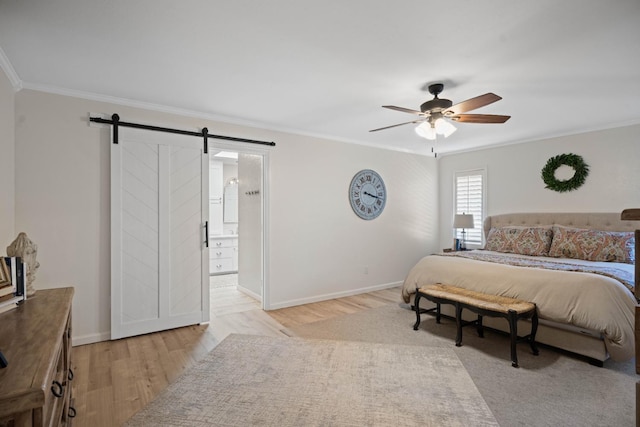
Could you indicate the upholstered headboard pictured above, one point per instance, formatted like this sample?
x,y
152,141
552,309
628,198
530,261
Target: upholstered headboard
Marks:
x,y
606,221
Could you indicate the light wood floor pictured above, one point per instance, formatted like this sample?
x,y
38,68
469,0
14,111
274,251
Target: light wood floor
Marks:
x,y
115,379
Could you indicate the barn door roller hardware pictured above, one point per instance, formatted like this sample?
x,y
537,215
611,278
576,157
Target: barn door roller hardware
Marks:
x,y
116,123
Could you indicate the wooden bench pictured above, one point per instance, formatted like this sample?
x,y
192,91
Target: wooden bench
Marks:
x,y
483,305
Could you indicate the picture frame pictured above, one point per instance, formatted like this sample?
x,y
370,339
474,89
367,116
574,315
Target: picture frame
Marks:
x,y
5,276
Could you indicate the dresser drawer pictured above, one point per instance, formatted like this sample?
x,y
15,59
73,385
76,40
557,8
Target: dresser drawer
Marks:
x,y
218,253
55,393
222,243
220,265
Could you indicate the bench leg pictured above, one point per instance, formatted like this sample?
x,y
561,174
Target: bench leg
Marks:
x,y
416,306
480,327
513,327
458,324
534,329
437,312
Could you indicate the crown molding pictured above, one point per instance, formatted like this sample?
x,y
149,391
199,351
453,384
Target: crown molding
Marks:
x,y
263,126
604,127
195,114
8,69
126,102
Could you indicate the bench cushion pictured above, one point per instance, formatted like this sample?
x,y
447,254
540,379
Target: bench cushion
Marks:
x,y
488,302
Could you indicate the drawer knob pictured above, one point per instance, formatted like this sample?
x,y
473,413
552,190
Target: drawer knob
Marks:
x,y
218,253
57,389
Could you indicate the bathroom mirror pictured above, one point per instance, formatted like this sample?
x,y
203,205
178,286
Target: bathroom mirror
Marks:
x,y
230,214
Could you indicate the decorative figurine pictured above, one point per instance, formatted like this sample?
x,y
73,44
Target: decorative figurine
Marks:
x,y
28,251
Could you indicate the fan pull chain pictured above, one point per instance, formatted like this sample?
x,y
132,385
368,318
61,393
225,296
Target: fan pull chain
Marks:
x,y
434,147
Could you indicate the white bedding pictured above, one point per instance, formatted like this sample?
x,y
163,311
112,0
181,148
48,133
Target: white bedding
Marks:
x,y
585,300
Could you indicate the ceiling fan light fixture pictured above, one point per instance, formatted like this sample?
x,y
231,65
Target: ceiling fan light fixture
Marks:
x,y
444,127
425,130
432,114
440,126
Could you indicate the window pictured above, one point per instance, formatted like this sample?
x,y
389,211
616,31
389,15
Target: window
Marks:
x,y
469,199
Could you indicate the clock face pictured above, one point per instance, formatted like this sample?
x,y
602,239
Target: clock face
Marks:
x,y
367,194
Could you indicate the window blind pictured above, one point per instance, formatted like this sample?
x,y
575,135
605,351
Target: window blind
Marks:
x,y
469,199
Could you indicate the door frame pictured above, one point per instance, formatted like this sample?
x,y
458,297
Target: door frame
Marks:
x,y
263,151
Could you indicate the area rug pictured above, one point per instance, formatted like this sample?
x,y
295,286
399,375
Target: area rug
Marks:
x,y
552,389
266,381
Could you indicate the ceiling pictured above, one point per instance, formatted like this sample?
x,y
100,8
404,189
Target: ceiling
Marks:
x,y
326,68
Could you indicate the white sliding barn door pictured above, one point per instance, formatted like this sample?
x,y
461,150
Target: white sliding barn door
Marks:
x,y
159,205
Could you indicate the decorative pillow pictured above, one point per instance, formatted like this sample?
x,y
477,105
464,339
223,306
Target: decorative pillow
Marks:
x,y
499,240
520,240
593,245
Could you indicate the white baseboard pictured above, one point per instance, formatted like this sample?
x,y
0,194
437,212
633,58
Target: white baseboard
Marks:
x,y
248,292
90,339
334,295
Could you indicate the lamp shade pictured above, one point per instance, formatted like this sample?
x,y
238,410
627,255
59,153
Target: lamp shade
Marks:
x,y
445,128
427,131
463,221
430,128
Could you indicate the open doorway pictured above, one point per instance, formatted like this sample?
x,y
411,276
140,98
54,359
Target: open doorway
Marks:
x,y
237,222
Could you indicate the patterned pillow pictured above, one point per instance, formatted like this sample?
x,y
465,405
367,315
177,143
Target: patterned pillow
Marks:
x,y
593,245
520,240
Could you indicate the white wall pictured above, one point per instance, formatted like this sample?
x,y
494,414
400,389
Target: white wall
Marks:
x,y
229,171
250,225
514,182
7,161
318,247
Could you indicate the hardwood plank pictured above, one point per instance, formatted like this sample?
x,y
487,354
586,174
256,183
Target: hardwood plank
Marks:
x,y
115,379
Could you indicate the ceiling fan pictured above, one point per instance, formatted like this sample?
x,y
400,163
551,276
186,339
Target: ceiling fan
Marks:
x,y
433,113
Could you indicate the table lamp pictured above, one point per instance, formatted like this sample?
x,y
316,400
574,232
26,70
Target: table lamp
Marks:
x,y
463,221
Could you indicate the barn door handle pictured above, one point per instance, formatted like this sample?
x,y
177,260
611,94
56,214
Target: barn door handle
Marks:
x,y
206,233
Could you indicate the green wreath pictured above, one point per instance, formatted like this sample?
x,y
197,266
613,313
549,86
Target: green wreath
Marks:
x,y
573,161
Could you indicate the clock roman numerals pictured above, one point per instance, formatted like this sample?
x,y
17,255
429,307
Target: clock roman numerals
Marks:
x,y
367,194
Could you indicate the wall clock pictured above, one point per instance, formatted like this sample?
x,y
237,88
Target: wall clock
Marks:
x,y
367,194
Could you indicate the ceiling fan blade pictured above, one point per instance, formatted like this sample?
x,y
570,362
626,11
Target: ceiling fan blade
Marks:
x,y
404,110
473,103
399,124
480,118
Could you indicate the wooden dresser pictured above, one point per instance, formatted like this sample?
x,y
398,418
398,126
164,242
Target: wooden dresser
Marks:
x,y
35,338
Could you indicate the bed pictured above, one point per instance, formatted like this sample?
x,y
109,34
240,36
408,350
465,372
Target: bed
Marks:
x,y
578,268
